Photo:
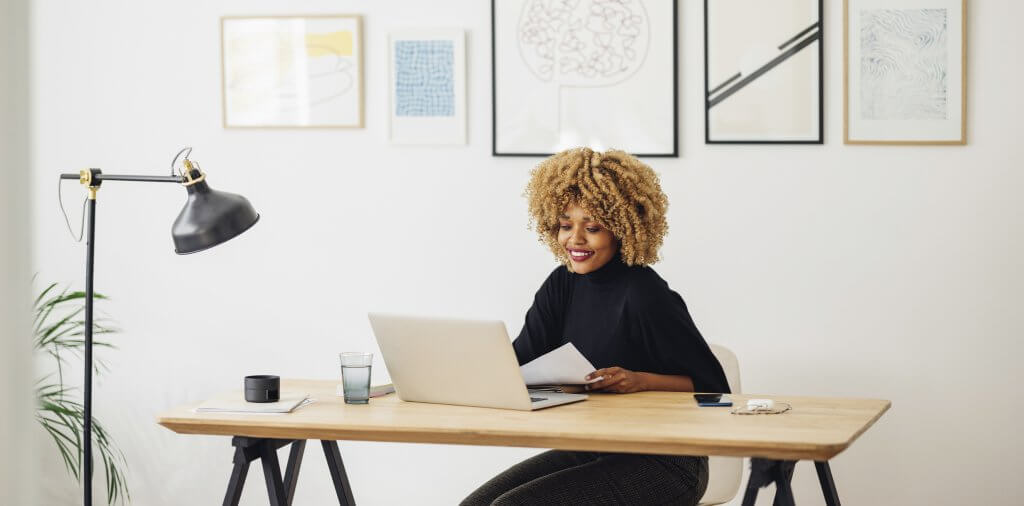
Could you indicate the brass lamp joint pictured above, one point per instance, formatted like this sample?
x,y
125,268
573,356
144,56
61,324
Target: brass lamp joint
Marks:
x,y
87,177
189,167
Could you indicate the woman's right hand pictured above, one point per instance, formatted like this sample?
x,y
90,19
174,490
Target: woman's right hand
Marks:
x,y
618,380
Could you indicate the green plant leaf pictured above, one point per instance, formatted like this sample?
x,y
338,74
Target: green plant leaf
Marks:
x,y
43,293
62,445
43,311
58,412
44,334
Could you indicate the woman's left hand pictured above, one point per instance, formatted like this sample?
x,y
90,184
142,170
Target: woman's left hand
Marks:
x,y
618,380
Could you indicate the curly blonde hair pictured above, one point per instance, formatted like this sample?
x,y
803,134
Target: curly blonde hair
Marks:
x,y
618,190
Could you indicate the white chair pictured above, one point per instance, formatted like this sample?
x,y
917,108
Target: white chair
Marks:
x,y
724,473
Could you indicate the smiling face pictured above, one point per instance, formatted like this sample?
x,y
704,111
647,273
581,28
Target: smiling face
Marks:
x,y
588,243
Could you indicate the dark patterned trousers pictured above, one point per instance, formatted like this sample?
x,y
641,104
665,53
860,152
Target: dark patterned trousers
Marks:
x,y
567,478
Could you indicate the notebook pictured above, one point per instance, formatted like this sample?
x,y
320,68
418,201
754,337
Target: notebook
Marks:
x,y
236,403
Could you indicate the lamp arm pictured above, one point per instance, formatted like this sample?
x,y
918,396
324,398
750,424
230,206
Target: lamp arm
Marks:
x,y
97,177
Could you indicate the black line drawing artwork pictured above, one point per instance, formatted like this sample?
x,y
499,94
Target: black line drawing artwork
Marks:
x,y
714,97
756,58
551,59
583,43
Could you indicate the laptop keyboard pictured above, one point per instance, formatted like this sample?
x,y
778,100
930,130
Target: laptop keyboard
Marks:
x,y
538,399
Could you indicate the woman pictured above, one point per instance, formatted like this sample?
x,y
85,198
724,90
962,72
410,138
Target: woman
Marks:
x,y
603,216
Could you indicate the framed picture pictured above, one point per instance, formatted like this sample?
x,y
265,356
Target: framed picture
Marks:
x,y
763,72
292,71
427,86
594,73
904,75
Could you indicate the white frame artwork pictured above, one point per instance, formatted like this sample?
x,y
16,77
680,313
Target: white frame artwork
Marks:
x,y
427,86
905,85
292,71
597,75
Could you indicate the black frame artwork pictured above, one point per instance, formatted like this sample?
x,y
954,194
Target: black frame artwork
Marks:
x,y
801,40
662,112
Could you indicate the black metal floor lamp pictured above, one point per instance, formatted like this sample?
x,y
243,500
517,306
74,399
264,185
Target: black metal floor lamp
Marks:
x,y
209,218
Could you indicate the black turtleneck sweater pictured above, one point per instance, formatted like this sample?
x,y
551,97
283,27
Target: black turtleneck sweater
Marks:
x,y
619,316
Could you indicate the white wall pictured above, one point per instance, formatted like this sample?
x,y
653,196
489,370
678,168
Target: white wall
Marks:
x,y
889,272
16,422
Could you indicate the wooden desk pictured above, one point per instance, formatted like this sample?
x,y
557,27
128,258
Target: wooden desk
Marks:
x,y
647,422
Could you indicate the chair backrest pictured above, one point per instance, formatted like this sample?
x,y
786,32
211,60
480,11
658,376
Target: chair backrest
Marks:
x,y
724,473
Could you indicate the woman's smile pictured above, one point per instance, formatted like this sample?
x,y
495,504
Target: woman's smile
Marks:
x,y
580,255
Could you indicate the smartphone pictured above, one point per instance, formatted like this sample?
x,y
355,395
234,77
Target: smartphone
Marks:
x,y
708,400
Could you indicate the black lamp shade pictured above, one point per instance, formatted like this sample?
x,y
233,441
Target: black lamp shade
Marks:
x,y
209,218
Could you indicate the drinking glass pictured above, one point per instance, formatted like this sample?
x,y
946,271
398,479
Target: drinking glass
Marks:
x,y
355,376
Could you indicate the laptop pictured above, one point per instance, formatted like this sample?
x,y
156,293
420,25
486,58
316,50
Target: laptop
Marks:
x,y
463,362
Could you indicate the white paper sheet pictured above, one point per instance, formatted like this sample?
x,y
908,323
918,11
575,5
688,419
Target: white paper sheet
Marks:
x,y
564,365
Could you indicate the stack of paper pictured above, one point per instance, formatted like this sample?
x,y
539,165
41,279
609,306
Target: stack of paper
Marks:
x,y
237,404
564,365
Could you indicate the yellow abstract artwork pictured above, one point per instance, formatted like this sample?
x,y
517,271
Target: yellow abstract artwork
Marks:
x,y
292,72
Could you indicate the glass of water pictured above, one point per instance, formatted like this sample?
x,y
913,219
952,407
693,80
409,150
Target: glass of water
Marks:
x,y
355,376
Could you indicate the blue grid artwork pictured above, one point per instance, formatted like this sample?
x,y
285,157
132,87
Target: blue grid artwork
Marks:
x,y
424,78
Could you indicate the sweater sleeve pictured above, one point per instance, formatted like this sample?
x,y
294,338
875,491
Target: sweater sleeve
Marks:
x,y
672,340
544,320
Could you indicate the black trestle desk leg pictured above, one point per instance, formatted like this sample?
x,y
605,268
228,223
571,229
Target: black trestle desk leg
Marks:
x,y
238,473
764,472
337,468
248,449
291,473
272,474
282,491
784,483
750,496
828,485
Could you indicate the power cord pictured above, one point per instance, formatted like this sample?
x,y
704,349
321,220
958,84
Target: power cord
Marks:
x,y
188,151
67,221
753,408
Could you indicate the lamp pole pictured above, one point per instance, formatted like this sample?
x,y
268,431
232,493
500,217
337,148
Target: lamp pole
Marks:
x,y
90,250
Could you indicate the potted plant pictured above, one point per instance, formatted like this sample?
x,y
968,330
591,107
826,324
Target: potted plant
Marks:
x,y
58,332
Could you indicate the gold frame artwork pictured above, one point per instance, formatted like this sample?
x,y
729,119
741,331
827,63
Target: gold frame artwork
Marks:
x,y
905,142
262,89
